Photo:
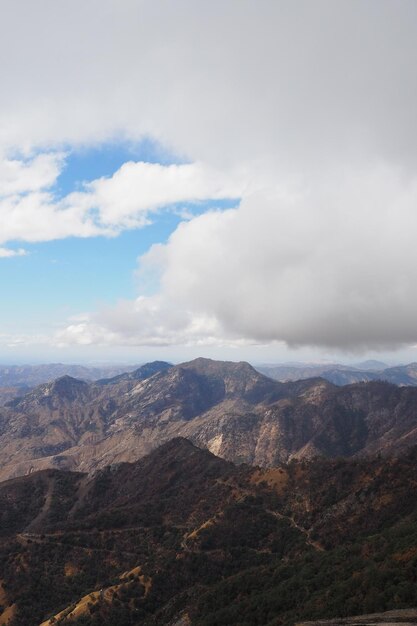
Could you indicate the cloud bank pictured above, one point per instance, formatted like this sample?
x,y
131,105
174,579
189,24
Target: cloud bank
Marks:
x,y
333,267
305,110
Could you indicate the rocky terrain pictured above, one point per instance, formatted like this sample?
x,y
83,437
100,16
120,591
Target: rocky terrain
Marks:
x,y
229,408
182,537
406,617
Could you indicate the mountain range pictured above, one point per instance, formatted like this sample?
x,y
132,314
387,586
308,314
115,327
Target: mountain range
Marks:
x,y
228,408
207,494
25,377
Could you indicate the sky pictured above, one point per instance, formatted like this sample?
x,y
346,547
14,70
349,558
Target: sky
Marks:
x,y
232,180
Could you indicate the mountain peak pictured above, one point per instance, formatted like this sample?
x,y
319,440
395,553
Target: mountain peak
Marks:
x,y
211,366
68,380
178,450
141,373
371,364
64,386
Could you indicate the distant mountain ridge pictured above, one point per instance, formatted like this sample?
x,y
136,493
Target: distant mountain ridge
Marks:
x,y
32,375
337,374
228,408
27,376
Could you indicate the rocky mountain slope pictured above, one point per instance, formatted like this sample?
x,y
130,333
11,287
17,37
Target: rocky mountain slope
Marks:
x,y
182,537
229,408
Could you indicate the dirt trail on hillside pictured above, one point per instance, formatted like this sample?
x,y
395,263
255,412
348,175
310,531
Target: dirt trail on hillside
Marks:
x,y
307,533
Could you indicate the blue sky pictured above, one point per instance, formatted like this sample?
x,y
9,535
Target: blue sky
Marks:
x,y
88,162
65,277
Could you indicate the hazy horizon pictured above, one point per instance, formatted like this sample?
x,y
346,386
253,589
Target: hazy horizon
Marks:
x,y
110,363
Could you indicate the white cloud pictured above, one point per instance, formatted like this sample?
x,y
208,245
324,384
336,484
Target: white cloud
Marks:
x,y
28,208
144,322
335,266
18,176
292,82
9,252
125,199
30,212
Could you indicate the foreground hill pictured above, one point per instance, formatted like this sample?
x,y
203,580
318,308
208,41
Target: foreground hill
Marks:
x,y
228,408
182,537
